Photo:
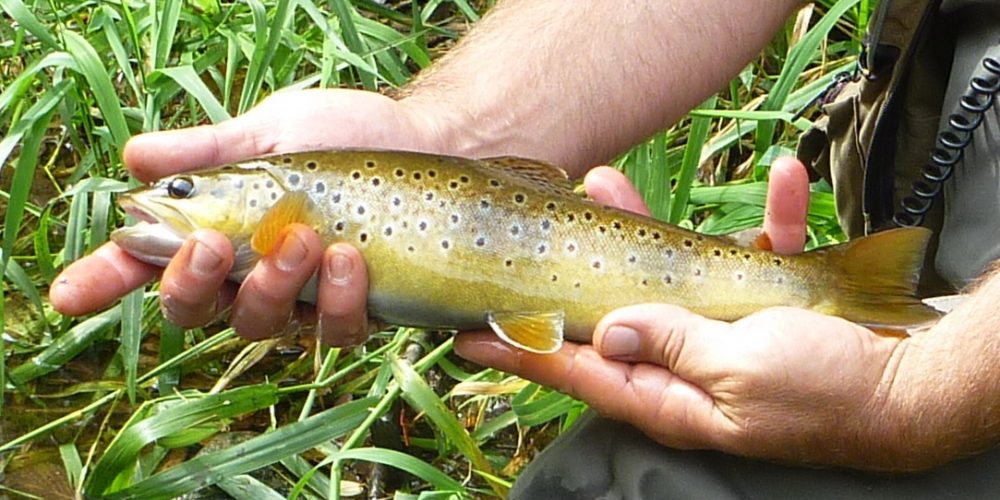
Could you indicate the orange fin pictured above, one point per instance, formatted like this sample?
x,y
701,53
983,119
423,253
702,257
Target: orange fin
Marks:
x,y
534,171
538,332
293,207
877,278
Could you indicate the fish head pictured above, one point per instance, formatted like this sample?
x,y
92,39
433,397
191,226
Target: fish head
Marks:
x,y
230,200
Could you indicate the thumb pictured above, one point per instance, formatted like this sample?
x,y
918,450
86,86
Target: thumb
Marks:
x,y
610,187
661,334
157,154
787,206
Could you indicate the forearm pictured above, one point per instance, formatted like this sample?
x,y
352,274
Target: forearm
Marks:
x,y
942,388
576,85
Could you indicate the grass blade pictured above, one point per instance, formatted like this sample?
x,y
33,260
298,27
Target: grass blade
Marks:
x,y
66,347
405,462
691,162
24,17
186,77
97,77
176,416
131,338
252,454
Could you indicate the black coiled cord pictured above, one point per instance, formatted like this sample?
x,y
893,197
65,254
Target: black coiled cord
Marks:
x,y
951,144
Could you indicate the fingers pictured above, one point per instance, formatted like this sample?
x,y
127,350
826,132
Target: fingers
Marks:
x,y
610,187
661,334
342,296
787,206
98,280
266,300
670,409
189,290
158,154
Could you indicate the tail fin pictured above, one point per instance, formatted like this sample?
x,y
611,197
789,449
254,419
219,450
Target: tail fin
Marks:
x,y
877,279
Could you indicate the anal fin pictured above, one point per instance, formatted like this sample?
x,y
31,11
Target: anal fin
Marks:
x,y
538,332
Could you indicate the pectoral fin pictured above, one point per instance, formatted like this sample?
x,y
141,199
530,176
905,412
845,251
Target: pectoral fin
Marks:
x,y
291,208
538,332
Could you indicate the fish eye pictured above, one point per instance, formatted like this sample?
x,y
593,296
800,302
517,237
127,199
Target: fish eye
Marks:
x,y
180,187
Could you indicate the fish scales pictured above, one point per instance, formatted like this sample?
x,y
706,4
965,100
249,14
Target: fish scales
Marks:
x,y
449,241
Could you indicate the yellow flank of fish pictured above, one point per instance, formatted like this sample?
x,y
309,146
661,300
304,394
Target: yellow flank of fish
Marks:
x,y
458,244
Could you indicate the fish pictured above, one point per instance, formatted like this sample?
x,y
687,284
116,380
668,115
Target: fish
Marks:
x,y
506,243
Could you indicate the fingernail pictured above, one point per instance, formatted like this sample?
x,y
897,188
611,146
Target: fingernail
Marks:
x,y
291,253
338,269
204,260
620,342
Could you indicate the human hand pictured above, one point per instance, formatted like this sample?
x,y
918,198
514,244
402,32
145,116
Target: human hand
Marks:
x,y
783,383
193,289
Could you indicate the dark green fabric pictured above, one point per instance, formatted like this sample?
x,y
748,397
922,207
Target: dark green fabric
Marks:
x,y
601,458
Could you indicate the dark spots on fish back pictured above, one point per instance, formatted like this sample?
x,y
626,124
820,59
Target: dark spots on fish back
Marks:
x,y
641,233
554,278
399,173
339,226
255,185
455,218
464,179
542,248
596,263
286,160
588,216
617,225
397,201
777,261
571,246
508,263
688,243
551,206
445,244
747,256
336,197
698,271
376,181
411,249
481,241
311,165
739,276
657,235
734,252
429,196
356,175
432,173
238,183
387,230
417,175
422,225
484,204
546,224
602,228
632,259
495,183
320,187
360,210
515,230
669,253
363,237
717,252
293,179
668,279
453,185
570,217
519,198
370,164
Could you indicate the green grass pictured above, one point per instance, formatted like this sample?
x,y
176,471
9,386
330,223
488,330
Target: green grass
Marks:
x,y
115,397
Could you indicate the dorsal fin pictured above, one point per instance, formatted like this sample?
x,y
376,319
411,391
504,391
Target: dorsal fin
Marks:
x,y
537,172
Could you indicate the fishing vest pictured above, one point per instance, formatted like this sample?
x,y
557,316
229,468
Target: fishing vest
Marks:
x,y
879,129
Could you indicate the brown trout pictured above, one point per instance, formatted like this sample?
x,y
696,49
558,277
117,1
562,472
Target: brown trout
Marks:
x,y
454,243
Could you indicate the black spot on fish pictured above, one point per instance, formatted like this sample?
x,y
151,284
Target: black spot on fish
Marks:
x,y
410,249
286,159
256,185
355,175
717,252
454,218
363,237
570,217
445,244
311,165
667,279
617,225
596,264
656,235
217,193
780,280
542,249
515,230
320,187
464,179
429,196
570,247
555,278
519,198
632,259
293,179
669,253
227,168
480,241
778,262
508,263
387,231
361,210
253,203
274,196
339,226
494,183
370,164
417,176
645,282
688,243
602,229
546,224
484,204
739,276
269,184
641,233
747,256
238,183
336,197
733,252
422,225
699,237
550,206
453,185
697,272
576,284
587,216
399,173
396,201
432,173
376,181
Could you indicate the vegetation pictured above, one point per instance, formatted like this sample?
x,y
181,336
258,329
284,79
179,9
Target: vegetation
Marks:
x,y
124,404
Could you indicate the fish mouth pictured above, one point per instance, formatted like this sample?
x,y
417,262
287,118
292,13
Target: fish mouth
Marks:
x,y
155,238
